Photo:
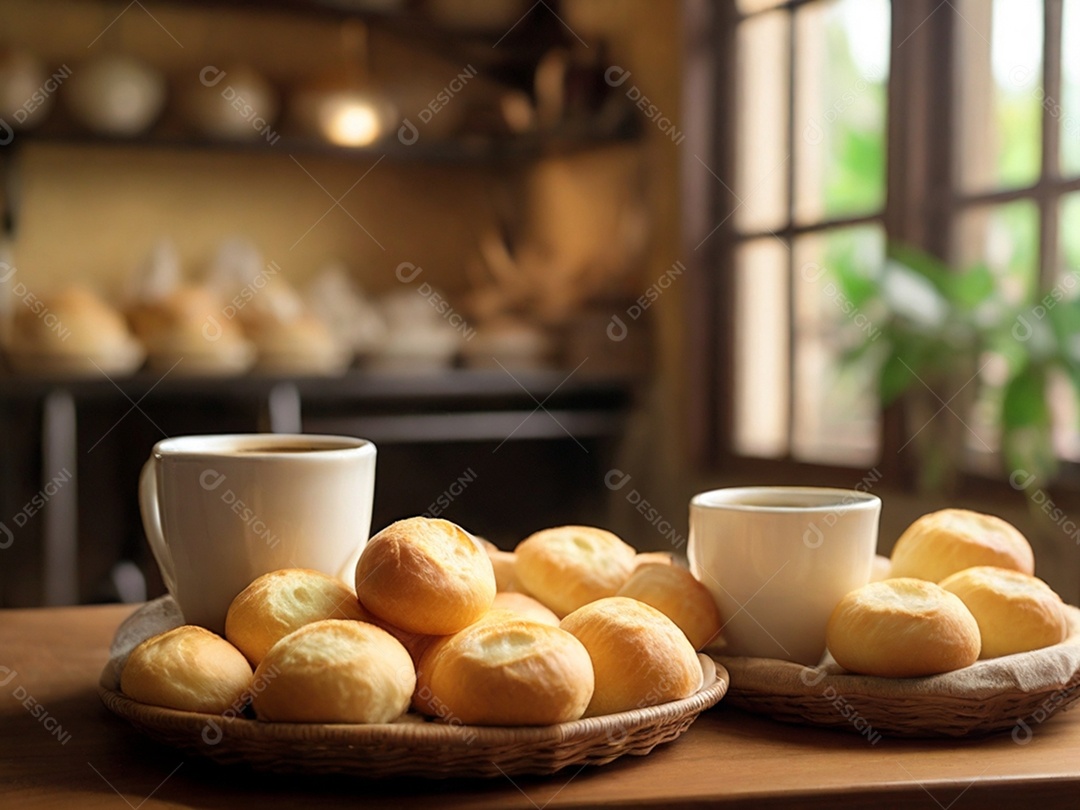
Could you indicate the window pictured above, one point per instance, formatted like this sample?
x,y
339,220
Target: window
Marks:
x,y
842,126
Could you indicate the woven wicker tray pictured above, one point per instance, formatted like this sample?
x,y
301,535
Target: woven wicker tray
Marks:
x,y
425,749
1015,692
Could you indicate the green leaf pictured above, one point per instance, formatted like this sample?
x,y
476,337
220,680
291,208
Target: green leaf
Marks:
x,y
930,268
1024,404
896,377
972,287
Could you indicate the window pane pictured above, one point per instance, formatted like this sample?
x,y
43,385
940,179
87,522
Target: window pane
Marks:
x,y
761,349
836,410
1070,233
1005,237
750,6
999,56
1070,90
843,68
761,176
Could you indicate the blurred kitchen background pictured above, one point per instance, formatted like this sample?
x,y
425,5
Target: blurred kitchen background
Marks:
x,y
563,261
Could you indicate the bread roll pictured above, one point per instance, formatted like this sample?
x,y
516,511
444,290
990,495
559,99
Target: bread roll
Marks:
x,y
902,628
191,319
677,594
74,321
189,669
640,657
335,671
653,558
882,568
526,607
1015,612
504,563
425,576
942,543
280,602
569,566
506,671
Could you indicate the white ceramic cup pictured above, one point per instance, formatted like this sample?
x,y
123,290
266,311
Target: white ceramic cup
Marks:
x,y
219,511
778,560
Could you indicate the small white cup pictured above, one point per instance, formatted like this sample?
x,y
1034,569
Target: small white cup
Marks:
x,y
778,560
220,511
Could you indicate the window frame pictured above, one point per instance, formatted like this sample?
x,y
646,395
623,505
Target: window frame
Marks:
x,y
921,192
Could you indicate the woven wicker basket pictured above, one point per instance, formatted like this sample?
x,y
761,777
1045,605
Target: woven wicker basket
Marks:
x,y
1016,692
425,749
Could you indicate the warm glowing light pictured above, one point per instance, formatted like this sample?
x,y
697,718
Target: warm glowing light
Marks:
x,y
350,120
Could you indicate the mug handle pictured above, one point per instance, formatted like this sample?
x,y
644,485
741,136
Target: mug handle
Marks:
x,y
151,519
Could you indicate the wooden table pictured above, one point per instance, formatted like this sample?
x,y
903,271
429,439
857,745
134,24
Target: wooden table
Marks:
x,y
50,660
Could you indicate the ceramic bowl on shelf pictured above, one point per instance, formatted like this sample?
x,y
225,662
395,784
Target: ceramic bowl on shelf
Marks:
x,y
115,95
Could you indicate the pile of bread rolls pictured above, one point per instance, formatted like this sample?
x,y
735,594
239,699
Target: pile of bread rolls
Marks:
x,y
574,624
960,587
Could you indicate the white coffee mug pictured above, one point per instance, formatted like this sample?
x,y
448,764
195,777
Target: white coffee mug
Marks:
x,y
219,511
778,560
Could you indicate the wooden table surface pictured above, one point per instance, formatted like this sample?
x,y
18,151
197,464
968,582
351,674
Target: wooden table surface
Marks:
x,y
60,747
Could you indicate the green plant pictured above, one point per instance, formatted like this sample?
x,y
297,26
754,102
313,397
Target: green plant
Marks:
x,y
937,332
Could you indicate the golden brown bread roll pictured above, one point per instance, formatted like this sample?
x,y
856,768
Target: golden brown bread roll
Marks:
x,y
942,543
677,594
504,563
280,602
187,668
902,628
882,568
505,671
653,558
1015,612
568,566
75,320
526,607
425,575
640,657
335,671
